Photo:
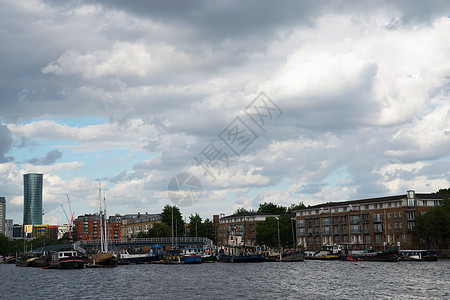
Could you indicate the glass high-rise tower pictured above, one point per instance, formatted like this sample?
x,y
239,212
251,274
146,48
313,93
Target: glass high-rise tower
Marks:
x,y
32,199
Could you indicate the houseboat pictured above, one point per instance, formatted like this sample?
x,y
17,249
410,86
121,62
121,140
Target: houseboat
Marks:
x,y
66,260
418,255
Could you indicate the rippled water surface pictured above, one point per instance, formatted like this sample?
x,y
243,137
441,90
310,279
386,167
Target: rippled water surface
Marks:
x,y
301,280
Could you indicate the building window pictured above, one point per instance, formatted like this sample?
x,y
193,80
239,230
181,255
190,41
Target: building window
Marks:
x,y
378,217
410,216
389,215
316,222
404,238
301,223
377,239
326,221
378,228
318,240
389,225
355,229
368,239
400,214
326,230
354,219
422,213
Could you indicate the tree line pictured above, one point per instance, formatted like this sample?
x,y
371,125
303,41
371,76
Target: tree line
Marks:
x,y
276,232
195,228
435,224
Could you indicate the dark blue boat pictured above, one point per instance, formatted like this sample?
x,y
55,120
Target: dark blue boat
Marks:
x,y
192,259
240,256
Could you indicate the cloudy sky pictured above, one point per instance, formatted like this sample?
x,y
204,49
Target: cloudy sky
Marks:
x,y
281,101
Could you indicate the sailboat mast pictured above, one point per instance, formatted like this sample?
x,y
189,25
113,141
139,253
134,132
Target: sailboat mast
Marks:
x,y
106,230
101,218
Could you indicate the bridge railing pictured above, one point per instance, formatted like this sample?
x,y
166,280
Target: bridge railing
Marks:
x,y
162,240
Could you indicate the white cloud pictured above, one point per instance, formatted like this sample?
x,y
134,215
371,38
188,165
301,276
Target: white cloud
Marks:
x,y
363,89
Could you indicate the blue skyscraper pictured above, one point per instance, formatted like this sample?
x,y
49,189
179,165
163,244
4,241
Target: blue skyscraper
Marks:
x,y
32,199
2,215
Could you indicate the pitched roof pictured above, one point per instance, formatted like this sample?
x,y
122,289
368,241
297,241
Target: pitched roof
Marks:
x,y
376,200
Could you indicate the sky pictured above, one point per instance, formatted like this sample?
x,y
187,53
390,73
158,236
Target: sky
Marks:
x,y
215,105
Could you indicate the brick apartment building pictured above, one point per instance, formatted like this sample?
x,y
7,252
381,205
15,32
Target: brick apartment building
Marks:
x,y
242,225
376,223
88,228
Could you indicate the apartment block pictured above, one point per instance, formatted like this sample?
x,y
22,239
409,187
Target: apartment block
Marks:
x,y
376,223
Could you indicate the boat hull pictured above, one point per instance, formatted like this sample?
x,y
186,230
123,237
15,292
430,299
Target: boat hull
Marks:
x,y
210,258
293,256
67,264
241,258
192,259
324,257
138,260
105,260
387,256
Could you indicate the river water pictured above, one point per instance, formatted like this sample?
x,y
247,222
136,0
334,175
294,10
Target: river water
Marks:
x,y
272,280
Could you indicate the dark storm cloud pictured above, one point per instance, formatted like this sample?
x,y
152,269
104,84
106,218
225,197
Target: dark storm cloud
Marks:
x,y
49,159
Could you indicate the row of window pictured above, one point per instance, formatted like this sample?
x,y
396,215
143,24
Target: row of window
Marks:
x,y
353,239
354,219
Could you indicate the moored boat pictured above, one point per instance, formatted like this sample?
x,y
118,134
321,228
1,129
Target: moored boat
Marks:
x,y
125,258
418,255
240,254
192,259
66,260
321,255
327,252
390,255
104,259
293,256
208,256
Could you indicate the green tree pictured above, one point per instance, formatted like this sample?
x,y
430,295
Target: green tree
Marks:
x,y
270,208
267,232
435,224
210,230
65,239
241,211
4,244
196,227
178,222
17,246
160,230
142,235
291,209
444,191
